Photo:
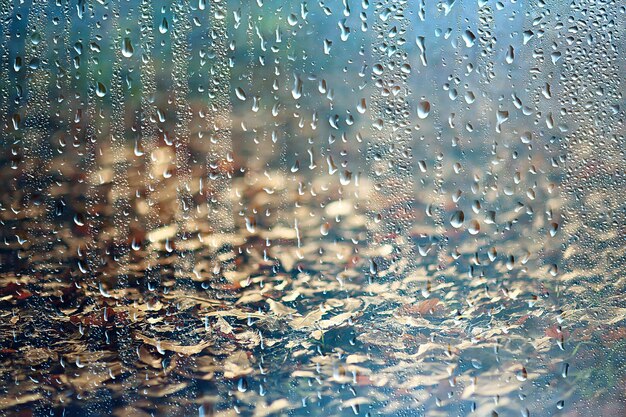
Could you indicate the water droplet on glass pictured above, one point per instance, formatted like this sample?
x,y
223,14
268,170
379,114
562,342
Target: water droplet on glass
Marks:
x,y
127,48
457,219
101,90
423,109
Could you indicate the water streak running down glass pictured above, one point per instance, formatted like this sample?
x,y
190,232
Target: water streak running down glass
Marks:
x,y
312,208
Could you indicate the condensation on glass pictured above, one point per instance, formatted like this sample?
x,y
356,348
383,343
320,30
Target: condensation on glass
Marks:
x,y
320,208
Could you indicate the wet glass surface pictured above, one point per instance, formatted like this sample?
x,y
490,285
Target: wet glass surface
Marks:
x,y
318,208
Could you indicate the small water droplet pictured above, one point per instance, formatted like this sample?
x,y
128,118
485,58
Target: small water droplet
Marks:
x,y
457,219
127,48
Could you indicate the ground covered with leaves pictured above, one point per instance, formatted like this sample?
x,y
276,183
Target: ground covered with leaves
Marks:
x,y
295,316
